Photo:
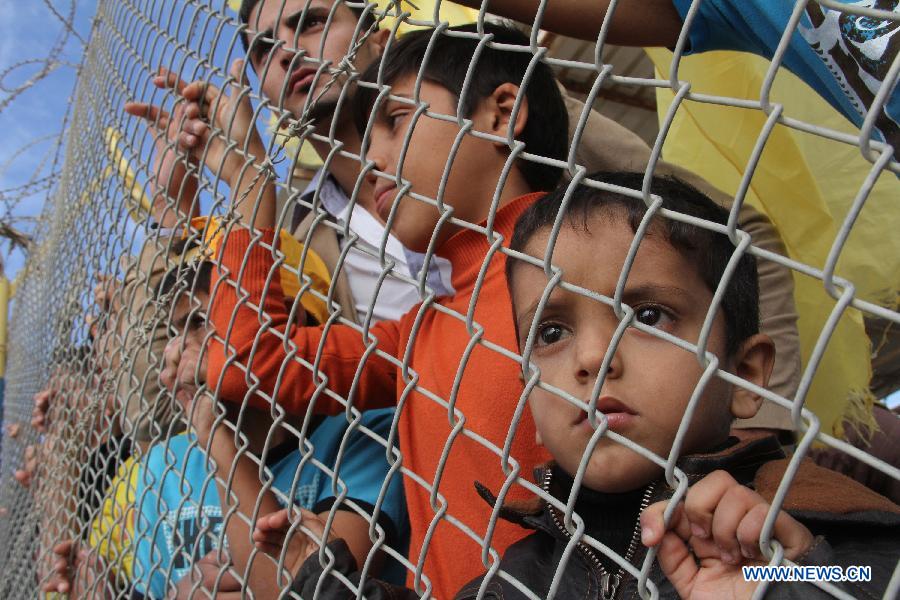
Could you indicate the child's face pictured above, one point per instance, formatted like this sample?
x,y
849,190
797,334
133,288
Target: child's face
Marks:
x,y
649,381
472,172
281,20
185,358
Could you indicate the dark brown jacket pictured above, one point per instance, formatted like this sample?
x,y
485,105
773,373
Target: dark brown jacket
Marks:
x,y
852,524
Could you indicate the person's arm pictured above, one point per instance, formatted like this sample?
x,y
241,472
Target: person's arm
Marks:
x,y
242,498
271,536
217,128
248,321
241,492
239,500
362,472
174,174
634,22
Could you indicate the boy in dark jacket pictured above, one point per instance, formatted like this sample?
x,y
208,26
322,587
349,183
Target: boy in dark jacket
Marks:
x,y
650,393
649,390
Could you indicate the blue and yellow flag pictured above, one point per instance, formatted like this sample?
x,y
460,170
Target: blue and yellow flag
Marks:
x,y
806,185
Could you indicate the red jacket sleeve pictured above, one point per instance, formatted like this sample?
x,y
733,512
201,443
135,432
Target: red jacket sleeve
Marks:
x,y
251,358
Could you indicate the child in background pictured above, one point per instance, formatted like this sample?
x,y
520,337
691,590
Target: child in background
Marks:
x,y
829,519
181,513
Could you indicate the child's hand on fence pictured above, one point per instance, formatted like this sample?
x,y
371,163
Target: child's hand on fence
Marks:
x,y
184,366
76,572
106,295
184,371
12,430
713,534
29,466
174,171
271,535
40,409
107,298
219,127
208,575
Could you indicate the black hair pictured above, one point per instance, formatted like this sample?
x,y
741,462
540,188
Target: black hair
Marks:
x,y
709,251
190,275
247,7
546,131
195,276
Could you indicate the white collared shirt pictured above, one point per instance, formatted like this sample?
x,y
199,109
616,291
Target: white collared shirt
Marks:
x,y
362,265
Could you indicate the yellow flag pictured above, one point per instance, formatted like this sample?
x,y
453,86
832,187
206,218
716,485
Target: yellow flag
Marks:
x,y
806,185
423,11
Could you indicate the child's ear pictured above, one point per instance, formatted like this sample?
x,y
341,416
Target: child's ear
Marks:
x,y
379,39
753,362
498,113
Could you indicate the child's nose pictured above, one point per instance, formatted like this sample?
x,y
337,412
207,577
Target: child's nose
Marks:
x,y
283,56
593,354
171,358
376,155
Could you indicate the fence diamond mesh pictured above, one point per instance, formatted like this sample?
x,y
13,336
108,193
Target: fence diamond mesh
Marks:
x,y
264,343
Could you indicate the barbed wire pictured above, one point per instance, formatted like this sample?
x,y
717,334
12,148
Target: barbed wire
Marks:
x,y
186,375
17,227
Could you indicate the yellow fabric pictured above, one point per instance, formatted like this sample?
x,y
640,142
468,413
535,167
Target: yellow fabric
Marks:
x,y
313,266
136,200
112,531
422,11
805,184
454,14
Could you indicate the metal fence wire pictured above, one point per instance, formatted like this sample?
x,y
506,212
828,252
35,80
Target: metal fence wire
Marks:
x,y
174,381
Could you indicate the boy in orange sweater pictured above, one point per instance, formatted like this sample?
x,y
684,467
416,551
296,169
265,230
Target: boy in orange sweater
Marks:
x,y
433,363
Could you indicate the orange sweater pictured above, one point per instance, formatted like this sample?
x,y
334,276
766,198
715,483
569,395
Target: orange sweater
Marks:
x,y
489,387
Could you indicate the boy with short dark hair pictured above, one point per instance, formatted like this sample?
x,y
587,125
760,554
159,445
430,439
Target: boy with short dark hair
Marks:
x,y
645,392
451,428
644,387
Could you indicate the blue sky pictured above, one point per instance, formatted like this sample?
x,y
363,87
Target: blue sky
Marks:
x,y
28,31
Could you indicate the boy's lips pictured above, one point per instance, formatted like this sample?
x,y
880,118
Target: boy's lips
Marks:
x,y
302,79
384,199
618,415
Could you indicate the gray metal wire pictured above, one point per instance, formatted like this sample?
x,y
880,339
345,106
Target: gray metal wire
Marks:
x,y
89,357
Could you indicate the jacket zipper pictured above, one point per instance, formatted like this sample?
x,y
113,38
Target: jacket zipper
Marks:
x,y
609,582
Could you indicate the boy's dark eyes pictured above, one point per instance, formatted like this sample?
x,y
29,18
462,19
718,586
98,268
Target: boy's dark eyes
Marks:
x,y
312,20
550,333
395,118
197,321
652,315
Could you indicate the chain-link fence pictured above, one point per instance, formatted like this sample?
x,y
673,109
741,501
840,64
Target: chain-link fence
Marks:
x,y
296,259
